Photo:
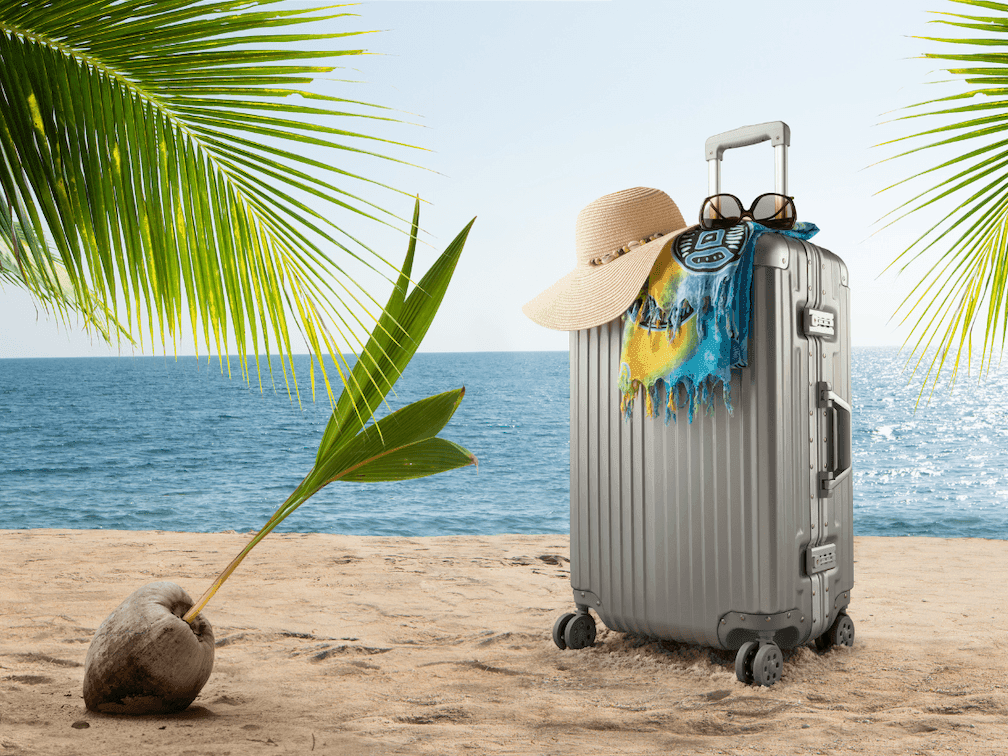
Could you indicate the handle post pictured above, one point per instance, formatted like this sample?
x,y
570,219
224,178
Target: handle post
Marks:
x,y
780,169
713,177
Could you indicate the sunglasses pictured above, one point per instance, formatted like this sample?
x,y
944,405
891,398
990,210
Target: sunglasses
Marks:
x,y
771,210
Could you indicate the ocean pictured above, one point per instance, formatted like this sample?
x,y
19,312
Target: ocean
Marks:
x,y
150,443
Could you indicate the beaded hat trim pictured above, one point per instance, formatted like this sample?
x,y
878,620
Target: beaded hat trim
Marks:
x,y
603,259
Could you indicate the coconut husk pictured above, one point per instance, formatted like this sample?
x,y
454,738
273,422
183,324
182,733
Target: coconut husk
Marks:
x,y
145,659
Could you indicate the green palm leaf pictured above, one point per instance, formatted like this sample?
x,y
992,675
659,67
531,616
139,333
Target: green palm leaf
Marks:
x,y
401,435
965,283
394,342
50,283
158,148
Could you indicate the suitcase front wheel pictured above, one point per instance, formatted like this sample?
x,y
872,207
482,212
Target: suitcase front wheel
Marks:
x,y
574,631
759,663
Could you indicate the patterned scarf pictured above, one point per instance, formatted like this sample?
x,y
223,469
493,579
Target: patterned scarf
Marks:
x,y
703,276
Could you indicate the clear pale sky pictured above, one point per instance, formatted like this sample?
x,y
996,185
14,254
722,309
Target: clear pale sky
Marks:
x,y
532,110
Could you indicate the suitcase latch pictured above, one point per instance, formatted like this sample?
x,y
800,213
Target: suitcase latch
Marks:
x,y
819,323
820,558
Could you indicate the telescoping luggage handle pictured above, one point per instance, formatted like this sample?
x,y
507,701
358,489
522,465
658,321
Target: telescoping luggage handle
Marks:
x,y
776,132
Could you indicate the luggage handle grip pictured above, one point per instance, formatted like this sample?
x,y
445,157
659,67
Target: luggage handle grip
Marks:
x,y
842,438
777,132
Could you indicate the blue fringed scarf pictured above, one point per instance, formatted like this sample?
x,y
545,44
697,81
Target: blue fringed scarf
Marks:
x,y
704,276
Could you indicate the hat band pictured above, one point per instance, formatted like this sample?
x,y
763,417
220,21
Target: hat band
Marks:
x,y
603,259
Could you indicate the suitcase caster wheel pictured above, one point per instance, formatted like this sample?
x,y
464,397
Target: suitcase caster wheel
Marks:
x,y
580,631
744,662
558,630
767,665
842,632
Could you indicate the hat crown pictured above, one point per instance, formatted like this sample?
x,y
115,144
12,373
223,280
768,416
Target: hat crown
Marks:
x,y
621,218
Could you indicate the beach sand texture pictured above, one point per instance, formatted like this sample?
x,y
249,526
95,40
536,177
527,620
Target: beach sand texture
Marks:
x,y
334,644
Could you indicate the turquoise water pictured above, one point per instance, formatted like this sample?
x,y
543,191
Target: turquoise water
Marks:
x,y
941,470
148,443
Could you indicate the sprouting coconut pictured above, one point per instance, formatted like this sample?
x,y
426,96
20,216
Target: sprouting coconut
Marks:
x,y
155,652
145,659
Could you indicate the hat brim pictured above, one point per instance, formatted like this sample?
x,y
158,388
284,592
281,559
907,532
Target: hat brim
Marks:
x,y
591,295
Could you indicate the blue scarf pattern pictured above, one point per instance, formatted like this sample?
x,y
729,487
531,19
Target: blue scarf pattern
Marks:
x,y
704,275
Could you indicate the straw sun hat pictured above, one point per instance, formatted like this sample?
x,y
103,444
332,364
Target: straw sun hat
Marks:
x,y
617,239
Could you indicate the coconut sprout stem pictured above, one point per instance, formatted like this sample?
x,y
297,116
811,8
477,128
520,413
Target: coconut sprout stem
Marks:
x,y
293,502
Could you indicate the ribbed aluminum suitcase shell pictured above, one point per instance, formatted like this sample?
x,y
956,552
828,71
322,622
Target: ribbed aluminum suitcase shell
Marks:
x,y
725,529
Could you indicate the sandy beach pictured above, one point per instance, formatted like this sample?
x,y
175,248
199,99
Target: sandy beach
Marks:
x,y
335,644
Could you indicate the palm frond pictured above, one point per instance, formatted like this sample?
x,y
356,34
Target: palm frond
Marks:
x,y
965,285
50,283
159,148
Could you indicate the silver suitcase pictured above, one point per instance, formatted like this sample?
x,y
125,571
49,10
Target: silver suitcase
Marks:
x,y
734,530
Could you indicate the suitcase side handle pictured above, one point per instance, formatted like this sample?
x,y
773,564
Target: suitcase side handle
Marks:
x,y
777,133
841,438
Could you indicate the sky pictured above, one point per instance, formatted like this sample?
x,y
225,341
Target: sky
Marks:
x,y
529,111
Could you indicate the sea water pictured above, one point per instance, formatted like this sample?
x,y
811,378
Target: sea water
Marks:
x,y
149,443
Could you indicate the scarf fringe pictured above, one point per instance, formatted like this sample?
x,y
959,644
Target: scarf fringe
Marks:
x,y
696,396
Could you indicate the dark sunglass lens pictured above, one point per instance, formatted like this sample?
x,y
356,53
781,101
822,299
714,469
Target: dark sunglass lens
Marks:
x,y
774,211
720,211
729,206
